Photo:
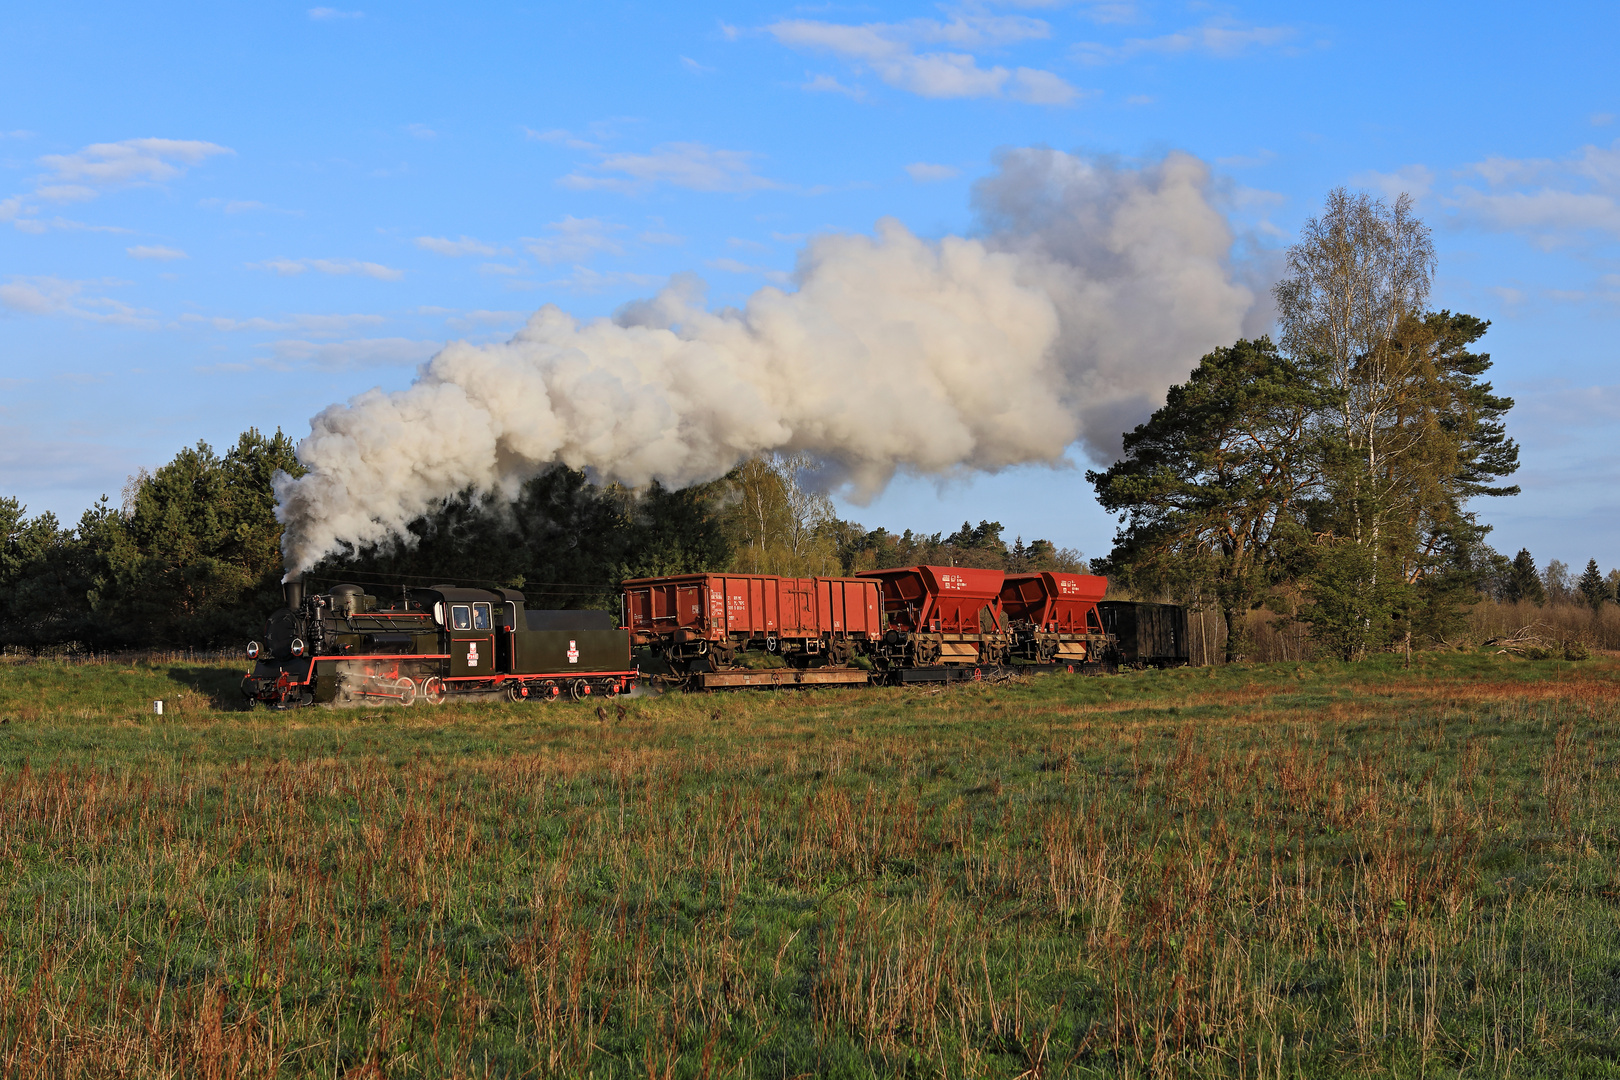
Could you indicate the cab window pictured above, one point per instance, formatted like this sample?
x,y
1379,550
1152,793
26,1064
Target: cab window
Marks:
x,y
460,617
480,616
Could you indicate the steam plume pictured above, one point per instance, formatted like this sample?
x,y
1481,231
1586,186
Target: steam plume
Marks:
x,y
1093,288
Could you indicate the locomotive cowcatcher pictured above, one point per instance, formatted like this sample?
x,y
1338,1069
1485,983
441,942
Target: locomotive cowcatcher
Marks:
x,y
346,646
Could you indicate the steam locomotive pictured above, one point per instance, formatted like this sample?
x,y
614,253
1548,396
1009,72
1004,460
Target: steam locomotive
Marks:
x,y
347,645
904,625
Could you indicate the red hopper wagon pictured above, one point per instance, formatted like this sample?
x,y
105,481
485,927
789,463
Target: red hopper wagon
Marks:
x,y
1053,617
941,615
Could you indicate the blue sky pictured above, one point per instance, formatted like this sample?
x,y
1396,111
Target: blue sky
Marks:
x,y
216,216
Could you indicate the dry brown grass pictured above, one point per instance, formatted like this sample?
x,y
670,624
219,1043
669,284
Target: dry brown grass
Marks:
x,y
1284,870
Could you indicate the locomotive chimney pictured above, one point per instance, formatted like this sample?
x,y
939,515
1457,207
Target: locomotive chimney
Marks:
x,y
293,590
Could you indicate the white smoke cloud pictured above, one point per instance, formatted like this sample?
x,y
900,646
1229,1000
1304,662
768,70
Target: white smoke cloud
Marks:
x,y
1094,287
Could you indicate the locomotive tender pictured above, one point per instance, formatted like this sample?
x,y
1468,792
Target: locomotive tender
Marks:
x,y
345,645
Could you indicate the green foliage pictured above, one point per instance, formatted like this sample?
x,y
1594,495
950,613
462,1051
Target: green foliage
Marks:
x,y
564,541
1523,581
1210,485
1592,587
1351,608
192,559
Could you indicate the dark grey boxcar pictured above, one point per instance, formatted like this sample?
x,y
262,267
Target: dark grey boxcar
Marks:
x,y
1146,635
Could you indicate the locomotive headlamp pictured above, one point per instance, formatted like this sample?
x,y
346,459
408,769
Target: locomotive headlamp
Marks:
x,y
298,646
253,650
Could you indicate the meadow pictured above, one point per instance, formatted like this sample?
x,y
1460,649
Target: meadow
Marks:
x,y
1290,869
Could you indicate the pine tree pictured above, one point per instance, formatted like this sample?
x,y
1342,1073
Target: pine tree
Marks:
x,y
1523,580
1591,586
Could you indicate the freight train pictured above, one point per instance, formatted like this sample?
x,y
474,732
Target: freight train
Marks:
x,y
911,624
895,626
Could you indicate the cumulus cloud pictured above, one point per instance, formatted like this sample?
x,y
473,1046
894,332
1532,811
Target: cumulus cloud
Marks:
x,y
926,57
455,248
155,251
693,166
294,267
1091,288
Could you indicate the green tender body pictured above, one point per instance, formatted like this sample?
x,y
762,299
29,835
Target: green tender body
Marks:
x,y
546,651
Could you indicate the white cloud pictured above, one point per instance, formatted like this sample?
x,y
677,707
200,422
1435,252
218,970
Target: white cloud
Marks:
x,y
925,173
155,251
313,325
421,131
1221,38
293,267
561,137
1552,202
897,53
734,266
584,279
654,237
354,353
573,239
1414,180
826,84
85,174
1602,119
326,14
482,319
693,166
455,248
242,206
696,68
54,296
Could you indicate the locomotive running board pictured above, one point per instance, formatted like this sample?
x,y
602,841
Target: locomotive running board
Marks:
x,y
783,677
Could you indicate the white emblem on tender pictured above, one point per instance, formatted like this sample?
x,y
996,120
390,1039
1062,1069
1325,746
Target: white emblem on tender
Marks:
x,y
573,653
472,654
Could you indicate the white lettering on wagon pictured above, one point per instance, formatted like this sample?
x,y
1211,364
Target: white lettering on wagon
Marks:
x,y
472,654
573,652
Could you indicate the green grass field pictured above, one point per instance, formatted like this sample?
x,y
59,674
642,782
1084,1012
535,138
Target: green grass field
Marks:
x,y
1284,870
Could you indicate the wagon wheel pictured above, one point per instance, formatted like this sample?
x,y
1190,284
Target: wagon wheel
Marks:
x,y
433,690
514,691
406,691
578,690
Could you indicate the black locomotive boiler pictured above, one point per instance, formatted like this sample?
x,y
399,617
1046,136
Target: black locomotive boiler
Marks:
x,y
347,645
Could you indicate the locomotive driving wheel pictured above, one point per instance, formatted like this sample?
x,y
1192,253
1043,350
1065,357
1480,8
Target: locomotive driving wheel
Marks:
x,y
406,691
433,690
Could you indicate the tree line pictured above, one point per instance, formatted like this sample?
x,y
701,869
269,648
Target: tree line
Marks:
x,y
1329,475
191,557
